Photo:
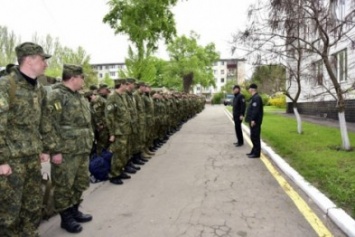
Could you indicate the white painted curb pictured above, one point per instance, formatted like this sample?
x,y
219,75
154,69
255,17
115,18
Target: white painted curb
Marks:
x,y
337,215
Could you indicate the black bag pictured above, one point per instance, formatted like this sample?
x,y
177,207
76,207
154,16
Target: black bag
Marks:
x,y
100,166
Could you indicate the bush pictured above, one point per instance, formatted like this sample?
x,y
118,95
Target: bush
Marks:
x,y
217,98
265,99
278,100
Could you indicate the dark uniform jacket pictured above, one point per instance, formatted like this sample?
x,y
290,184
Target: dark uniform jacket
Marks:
x,y
238,105
255,110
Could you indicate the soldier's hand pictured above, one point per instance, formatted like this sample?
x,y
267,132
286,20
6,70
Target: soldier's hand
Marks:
x,y
252,123
112,138
57,159
241,117
5,170
44,157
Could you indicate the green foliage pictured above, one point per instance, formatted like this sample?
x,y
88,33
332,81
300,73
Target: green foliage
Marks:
x,y
279,100
108,80
265,98
191,62
269,78
314,156
217,98
8,42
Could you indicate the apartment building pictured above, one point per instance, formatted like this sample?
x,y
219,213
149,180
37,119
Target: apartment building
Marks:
x,y
318,95
110,69
224,70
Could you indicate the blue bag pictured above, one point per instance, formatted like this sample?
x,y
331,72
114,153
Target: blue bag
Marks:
x,y
100,166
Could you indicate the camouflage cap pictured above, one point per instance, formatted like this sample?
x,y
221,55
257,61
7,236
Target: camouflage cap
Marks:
x,y
141,83
73,70
131,80
93,87
120,81
29,48
102,86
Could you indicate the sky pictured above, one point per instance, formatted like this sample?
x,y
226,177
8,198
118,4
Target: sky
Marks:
x,y
79,23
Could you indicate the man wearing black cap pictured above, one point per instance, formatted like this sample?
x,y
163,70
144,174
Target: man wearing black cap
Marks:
x,y
22,100
255,118
238,114
69,138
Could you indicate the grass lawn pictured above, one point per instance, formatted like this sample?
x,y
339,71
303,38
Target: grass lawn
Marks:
x,y
314,155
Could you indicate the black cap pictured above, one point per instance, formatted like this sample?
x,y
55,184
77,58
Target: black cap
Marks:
x,y
253,86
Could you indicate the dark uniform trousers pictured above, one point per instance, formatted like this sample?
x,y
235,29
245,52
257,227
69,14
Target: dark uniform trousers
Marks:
x,y
255,138
71,179
22,186
238,130
120,150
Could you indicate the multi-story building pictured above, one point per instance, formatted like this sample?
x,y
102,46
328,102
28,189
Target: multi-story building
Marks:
x,y
224,70
110,69
318,95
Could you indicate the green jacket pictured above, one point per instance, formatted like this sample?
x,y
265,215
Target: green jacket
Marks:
x,y
21,106
69,129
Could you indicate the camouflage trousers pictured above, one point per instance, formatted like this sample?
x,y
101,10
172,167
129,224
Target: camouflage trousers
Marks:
x,y
70,180
102,140
21,198
120,157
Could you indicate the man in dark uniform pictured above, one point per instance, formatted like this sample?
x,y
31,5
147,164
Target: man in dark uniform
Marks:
x,y
254,118
238,114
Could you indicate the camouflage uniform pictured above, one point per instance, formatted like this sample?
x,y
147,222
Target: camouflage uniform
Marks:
x,y
134,123
141,123
118,119
69,133
149,117
98,115
21,102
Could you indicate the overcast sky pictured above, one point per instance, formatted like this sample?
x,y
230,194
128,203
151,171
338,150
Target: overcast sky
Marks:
x,y
79,23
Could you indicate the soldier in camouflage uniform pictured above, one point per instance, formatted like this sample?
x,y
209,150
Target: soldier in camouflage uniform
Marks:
x,y
150,120
118,119
69,139
22,100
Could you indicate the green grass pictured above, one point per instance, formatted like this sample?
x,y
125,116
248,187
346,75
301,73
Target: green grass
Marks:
x,y
315,154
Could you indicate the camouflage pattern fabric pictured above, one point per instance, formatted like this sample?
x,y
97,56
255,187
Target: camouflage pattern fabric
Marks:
x,y
69,132
98,115
20,119
118,119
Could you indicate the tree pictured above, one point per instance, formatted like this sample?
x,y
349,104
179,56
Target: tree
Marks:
x,y
8,42
145,22
191,62
108,80
270,78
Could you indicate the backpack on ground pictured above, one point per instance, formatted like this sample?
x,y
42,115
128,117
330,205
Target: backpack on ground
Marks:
x,y
100,166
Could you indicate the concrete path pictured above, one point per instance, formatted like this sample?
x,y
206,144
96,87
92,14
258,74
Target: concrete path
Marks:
x,y
198,184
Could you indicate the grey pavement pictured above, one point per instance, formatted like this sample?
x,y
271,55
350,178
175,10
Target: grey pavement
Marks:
x,y
198,184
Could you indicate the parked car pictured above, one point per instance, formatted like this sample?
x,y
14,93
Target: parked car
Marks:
x,y
228,100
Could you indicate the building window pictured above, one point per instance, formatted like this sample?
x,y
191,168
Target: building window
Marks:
x,y
222,80
340,65
198,88
341,10
222,72
318,69
222,62
100,75
112,74
214,72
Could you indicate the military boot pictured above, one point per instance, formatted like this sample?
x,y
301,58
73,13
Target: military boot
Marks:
x,y
79,216
69,223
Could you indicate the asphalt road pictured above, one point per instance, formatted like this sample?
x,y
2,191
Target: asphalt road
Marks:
x,y
198,184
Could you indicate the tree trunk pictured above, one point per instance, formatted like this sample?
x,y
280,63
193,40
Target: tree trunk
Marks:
x,y
299,120
344,131
187,82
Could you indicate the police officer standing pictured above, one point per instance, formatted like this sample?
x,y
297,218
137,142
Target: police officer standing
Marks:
x,y
69,141
254,118
22,100
238,114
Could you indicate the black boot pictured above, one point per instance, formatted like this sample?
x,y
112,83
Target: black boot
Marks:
x,y
79,216
130,164
69,223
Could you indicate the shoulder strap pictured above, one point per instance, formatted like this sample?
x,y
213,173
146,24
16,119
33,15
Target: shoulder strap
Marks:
x,y
13,88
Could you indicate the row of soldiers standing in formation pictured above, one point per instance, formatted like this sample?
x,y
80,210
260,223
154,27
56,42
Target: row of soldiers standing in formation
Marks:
x,y
38,125
134,121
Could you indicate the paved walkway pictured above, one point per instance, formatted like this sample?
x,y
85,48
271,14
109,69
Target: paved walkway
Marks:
x,y
197,185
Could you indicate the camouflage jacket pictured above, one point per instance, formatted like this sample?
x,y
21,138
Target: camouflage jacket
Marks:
x,y
149,109
69,129
117,114
133,110
138,97
98,111
21,107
